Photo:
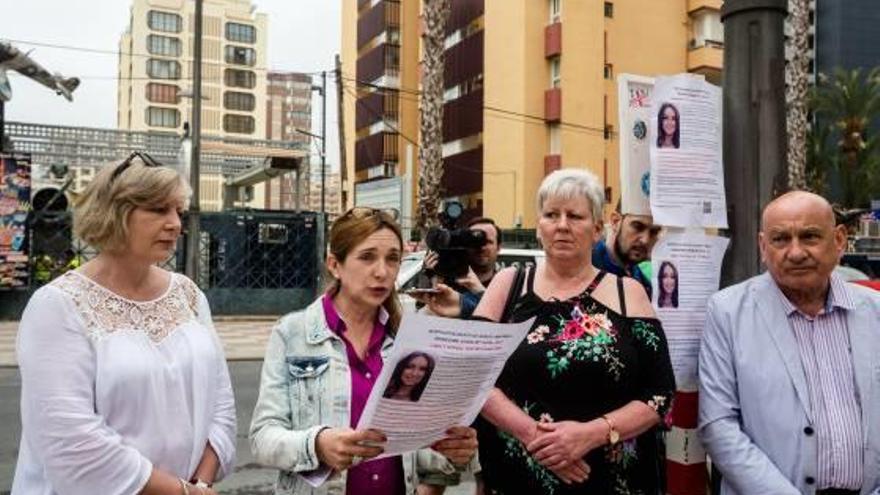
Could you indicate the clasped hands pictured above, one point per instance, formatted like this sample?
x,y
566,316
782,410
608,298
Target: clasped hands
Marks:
x,y
342,448
561,446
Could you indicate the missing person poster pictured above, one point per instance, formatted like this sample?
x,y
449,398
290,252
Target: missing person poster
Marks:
x,y
634,115
438,375
687,173
686,271
15,195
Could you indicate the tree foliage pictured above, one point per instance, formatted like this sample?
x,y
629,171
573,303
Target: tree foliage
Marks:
x,y
843,148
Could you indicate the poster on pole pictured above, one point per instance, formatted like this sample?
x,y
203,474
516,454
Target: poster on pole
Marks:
x,y
687,173
634,116
15,196
686,270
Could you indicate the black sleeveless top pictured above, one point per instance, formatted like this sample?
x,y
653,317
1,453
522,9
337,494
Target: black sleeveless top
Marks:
x,y
579,361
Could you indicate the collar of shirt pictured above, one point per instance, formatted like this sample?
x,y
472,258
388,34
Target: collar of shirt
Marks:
x,y
838,297
336,323
602,260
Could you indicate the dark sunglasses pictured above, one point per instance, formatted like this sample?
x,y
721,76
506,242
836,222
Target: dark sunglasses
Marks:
x,y
148,161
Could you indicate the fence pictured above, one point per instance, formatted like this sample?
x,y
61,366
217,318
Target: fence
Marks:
x,y
252,262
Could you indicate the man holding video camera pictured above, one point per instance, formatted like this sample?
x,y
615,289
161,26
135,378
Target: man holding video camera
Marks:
x,y
464,260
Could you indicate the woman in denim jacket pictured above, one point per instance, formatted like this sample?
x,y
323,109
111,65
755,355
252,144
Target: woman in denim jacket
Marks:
x,y
321,364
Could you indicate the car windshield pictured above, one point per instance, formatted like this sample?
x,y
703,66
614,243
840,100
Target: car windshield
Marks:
x,y
410,261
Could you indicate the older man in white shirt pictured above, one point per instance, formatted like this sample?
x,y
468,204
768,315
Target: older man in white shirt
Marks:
x,y
790,366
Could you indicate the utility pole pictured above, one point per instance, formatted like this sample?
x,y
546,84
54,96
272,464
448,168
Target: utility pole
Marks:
x,y
340,109
324,144
754,124
2,126
192,239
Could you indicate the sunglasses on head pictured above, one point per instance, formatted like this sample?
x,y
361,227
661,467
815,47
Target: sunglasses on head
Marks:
x,y
148,161
366,211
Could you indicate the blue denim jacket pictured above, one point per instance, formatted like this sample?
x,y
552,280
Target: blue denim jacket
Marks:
x,y
306,386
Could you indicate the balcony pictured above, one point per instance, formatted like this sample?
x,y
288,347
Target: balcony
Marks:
x,y
375,149
553,40
384,60
553,105
463,116
381,105
463,173
378,19
695,5
706,59
464,61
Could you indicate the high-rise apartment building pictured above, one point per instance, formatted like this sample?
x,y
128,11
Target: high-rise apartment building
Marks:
x,y
530,85
289,108
155,74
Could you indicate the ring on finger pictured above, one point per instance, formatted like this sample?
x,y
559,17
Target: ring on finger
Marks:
x,y
356,459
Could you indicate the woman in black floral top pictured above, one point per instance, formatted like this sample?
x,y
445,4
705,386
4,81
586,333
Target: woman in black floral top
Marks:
x,y
579,404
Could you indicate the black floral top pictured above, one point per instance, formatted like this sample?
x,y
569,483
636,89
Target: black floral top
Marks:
x,y
579,361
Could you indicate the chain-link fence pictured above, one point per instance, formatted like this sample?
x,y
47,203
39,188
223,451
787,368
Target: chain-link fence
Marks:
x,y
250,261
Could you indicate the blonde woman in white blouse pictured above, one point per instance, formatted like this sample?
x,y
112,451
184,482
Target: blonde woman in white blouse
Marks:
x,y
125,389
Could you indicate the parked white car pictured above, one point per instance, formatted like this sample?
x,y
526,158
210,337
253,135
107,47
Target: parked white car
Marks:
x,y
411,269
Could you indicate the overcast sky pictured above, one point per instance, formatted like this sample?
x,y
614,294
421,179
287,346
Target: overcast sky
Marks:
x,y
304,35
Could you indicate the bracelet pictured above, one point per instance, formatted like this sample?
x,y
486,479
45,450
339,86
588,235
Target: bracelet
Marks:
x,y
199,483
184,485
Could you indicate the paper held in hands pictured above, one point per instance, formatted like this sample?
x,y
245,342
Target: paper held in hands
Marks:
x,y
438,375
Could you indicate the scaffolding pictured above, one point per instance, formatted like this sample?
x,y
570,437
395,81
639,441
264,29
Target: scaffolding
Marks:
x,y
95,147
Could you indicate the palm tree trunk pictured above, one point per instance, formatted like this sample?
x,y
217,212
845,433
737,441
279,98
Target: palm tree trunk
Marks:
x,y
796,78
431,112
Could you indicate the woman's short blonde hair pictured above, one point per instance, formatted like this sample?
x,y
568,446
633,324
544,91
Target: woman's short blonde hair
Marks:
x,y
569,183
100,216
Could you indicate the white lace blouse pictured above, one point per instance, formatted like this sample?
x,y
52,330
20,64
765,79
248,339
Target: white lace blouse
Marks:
x,y
112,388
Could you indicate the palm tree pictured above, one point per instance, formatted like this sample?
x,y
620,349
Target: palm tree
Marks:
x,y
431,111
848,102
796,78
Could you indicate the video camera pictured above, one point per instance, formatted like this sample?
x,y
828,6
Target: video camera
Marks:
x,y
453,245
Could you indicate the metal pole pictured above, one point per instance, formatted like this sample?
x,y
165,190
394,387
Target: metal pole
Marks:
x,y
340,114
192,240
754,123
323,143
3,126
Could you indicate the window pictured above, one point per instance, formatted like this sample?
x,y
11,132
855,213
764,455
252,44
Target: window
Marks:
x,y
233,100
609,10
241,124
163,69
162,117
555,10
162,93
555,77
163,45
240,55
240,78
164,21
609,71
241,33
555,139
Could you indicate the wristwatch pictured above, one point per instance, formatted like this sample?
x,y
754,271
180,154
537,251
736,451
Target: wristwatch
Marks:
x,y
613,434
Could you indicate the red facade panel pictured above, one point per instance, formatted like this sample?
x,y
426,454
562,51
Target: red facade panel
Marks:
x,y
463,116
553,105
551,163
463,173
553,40
464,61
